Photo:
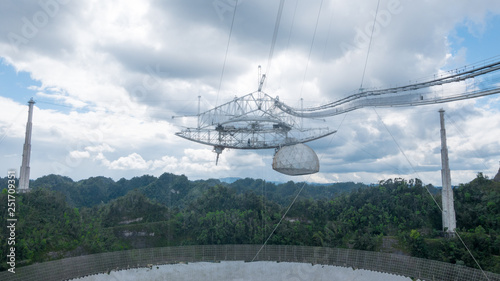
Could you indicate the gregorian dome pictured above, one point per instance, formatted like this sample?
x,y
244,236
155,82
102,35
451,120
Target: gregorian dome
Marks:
x,y
295,160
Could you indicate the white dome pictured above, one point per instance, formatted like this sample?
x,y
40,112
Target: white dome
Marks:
x,y
295,160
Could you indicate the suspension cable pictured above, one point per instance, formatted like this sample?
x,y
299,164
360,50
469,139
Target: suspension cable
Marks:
x,y
275,36
294,199
369,46
310,48
462,134
11,125
433,199
289,36
227,50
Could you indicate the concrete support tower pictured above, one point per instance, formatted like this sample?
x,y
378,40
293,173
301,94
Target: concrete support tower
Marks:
x,y
449,221
24,177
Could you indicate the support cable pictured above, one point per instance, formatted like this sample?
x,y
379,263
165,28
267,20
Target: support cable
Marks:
x,y
293,21
310,48
369,46
275,36
11,125
290,33
263,209
404,154
462,134
227,50
282,218
328,34
293,201
433,199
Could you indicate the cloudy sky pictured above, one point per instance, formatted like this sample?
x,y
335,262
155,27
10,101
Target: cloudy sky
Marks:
x,y
108,76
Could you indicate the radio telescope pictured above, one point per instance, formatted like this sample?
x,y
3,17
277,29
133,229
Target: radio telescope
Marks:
x,y
259,121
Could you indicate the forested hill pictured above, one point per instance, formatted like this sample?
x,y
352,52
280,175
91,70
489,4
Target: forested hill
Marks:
x,y
177,191
61,218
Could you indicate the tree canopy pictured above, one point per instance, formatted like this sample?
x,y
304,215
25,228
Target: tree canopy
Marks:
x,y
61,217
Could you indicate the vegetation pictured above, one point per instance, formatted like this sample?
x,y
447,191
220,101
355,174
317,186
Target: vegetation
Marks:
x,y
61,218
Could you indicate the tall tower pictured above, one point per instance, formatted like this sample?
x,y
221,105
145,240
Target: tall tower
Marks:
x,y
24,177
449,221
497,176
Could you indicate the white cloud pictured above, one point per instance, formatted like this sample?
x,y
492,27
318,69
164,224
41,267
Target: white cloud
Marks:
x,y
79,154
58,96
126,67
133,161
100,148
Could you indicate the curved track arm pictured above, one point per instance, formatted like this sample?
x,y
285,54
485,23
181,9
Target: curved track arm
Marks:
x,y
408,95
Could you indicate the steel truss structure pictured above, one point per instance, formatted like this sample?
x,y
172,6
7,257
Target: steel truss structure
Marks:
x,y
254,121
259,121
478,80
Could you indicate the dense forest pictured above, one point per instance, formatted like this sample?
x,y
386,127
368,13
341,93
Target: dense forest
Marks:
x,y
61,218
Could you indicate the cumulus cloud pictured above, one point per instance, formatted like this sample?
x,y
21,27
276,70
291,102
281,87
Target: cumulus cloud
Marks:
x,y
131,162
79,154
121,69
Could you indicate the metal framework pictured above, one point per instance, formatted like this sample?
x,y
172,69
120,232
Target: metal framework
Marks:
x,y
254,121
259,121
75,267
479,80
